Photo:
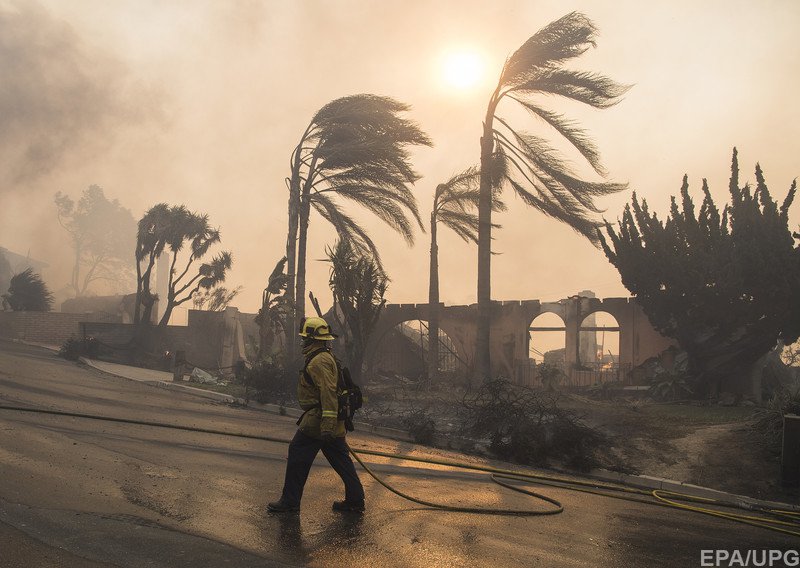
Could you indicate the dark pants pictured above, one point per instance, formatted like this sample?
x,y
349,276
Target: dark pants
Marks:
x,y
302,451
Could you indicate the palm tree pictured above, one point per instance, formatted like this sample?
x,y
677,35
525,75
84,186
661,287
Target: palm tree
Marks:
x,y
150,243
454,205
27,292
539,175
271,318
359,287
192,229
354,147
170,228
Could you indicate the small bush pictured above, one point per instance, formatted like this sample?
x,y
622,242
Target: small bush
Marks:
x,y
528,427
420,425
603,391
73,349
550,375
669,387
271,382
770,420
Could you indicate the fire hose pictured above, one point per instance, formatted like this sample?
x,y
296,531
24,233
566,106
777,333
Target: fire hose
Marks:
x,y
780,520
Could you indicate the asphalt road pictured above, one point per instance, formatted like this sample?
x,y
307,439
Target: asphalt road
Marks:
x,y
82,493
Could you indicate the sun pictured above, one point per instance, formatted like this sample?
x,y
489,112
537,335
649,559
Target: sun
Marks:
x,y
462,69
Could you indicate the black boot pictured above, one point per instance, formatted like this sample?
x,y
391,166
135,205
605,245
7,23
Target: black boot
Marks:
x,y
348,507
282,507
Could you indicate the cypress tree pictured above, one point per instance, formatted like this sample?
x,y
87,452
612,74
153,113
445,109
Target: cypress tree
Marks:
x,y
725,285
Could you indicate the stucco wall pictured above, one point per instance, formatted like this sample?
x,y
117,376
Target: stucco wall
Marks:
x,y
49,328
638,340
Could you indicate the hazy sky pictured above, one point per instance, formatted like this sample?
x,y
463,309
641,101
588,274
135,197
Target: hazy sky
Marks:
x,y
201,103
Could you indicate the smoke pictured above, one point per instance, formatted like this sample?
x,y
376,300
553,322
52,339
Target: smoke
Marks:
x,y
60,98
201,103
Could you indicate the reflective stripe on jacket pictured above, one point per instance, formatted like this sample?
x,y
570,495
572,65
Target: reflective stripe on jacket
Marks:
x,y
321,397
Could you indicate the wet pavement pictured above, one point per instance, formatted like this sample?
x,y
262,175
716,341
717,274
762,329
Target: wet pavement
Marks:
x,y
110,494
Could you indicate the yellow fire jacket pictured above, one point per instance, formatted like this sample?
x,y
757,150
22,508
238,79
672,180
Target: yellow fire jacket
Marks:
x,y
320,399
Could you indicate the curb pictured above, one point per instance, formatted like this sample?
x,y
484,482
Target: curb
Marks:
x,y
651,483
671,485
637,481
53,348
202,393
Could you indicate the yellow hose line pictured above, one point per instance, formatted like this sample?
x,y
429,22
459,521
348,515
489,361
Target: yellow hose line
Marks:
x,y
746,519
783,512
595,488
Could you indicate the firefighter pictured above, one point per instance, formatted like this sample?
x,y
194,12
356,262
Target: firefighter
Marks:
x,y
319,426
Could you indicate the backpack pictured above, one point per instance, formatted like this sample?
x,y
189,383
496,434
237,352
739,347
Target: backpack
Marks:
x,y
349,394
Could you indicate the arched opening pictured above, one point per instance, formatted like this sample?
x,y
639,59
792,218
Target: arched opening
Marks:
x,y
598,349
404,350
547,340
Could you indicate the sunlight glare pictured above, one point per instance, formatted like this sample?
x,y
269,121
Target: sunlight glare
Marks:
x,y
462,69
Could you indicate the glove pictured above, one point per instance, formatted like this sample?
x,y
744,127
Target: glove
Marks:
x,y
327,437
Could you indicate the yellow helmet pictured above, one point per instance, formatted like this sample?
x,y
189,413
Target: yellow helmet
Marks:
x,y
316,328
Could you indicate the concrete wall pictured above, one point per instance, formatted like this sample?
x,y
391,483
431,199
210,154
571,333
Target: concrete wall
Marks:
x,y
511,320
116,339
49,328
211,340
214,339
119,306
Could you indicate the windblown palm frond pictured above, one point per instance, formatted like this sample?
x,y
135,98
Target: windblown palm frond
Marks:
x,y
275,307
455,204
355,147
212,273
28,292
277,279
346,227
537,172
385,205
565,38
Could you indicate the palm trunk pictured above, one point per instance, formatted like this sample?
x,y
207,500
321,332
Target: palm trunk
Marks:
x,y
293,321
137,307
300,301
291,257
433,307
167,311
146,295
147,313
76,271
302,241
483,363
266,335
144,302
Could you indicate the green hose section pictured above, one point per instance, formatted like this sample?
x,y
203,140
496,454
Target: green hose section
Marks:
x,y
786,518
